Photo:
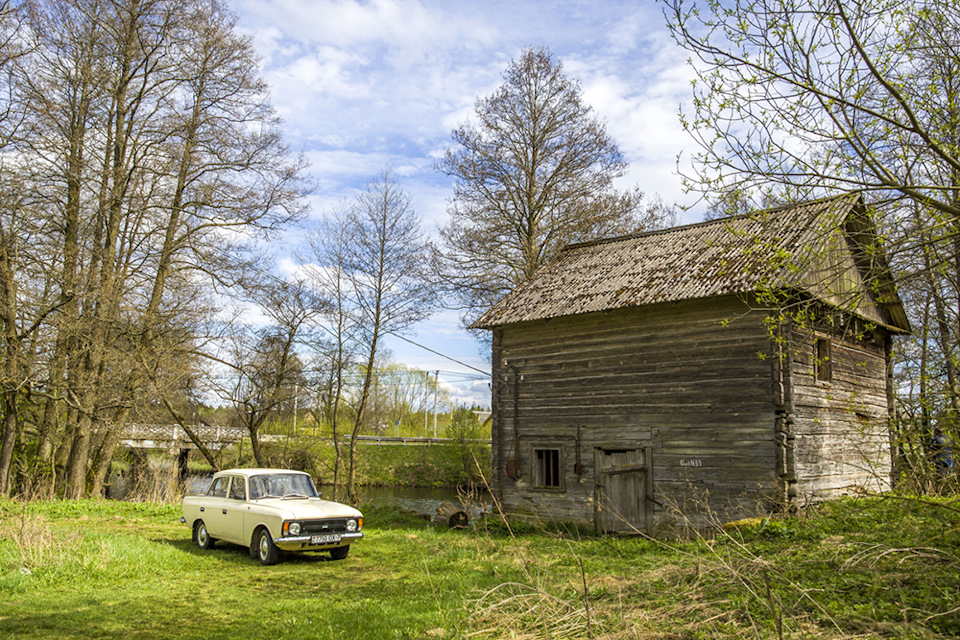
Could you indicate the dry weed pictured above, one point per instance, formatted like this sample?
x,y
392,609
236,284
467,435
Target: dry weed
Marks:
x,y
158,483
872,555
34,539
527,612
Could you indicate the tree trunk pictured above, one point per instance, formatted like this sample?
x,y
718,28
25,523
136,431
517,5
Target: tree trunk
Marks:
x,y
10,431
255,445
11,354
103,457
452,516
352,493
78,462
190,434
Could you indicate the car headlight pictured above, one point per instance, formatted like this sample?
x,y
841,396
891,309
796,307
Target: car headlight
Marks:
x,y
294,528
351,524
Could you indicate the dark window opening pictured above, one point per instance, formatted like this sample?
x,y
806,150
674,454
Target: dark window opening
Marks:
x,y
822,368
547,468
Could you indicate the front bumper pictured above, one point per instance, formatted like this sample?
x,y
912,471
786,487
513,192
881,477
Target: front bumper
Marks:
x,y
302,543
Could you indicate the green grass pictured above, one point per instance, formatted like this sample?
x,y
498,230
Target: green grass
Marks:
x,y
853,569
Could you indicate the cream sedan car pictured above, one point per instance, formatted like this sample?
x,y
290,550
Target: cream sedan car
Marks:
x,y
270,510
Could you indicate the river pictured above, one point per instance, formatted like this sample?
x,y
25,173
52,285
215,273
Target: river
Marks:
x,y
422,500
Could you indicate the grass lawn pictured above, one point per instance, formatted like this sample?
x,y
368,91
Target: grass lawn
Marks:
x,y
854,569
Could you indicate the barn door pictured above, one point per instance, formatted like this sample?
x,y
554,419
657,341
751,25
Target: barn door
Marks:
x,y
623,487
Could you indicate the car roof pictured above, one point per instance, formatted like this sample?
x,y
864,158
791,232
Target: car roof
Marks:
x,y
257,472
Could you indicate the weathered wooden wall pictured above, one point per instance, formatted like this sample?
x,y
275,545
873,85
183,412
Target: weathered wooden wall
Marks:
x,y
692,381
840,431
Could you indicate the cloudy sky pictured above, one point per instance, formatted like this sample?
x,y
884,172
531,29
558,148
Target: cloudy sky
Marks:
x,y
364,85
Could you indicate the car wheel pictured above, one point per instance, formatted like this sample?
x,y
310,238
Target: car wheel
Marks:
x,y
340,552
201,536
267,552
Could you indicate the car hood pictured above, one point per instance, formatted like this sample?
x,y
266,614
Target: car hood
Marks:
x,y
308,508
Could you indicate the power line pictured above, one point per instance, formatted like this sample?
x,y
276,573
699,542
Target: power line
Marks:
x,y
462,364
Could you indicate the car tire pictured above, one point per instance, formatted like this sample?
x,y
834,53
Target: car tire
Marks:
x,y
340,552
266,551
201,536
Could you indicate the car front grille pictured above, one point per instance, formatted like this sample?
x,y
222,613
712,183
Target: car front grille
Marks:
x,y
327,525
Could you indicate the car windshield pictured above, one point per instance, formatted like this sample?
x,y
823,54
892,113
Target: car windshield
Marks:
x,y
281,485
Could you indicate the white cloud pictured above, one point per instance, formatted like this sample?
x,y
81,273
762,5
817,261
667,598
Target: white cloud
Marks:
x,y
365,85
399,25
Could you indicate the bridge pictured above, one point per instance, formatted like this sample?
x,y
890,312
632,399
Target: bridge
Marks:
x,y
173,438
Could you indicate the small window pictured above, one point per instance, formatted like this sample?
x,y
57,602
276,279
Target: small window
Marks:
x,y
547,469
822,364
219,488
236,490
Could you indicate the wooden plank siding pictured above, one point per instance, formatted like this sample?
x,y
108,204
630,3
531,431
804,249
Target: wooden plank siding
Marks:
x,y
840,426
690,381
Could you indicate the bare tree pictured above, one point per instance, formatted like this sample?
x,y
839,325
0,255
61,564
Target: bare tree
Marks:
x,y
335,353
798,99
823,94
25,300
152,163
265,368
388,284
533,173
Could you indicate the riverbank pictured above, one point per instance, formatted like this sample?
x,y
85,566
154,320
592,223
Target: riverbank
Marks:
x,y
450,465
436,465
871,568
381,465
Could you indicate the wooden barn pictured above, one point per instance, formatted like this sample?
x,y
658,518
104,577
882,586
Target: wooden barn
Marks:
x,y
705,371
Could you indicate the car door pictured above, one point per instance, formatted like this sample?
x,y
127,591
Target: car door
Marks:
x,y
213,508
232,511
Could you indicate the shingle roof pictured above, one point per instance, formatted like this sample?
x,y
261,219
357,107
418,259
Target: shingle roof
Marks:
x,y
776,248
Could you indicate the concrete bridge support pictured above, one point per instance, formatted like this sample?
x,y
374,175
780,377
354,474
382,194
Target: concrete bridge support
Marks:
x,y
182,457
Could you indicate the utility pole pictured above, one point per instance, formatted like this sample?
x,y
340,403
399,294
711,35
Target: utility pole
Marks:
x,y
426,402
436,382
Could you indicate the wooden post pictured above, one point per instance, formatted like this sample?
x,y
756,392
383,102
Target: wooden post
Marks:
x,y
182,469
139,469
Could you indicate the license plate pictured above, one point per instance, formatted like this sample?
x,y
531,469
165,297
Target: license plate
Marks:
x,y
325,539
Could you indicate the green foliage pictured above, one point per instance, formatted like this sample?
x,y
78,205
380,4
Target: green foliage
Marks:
x,y
472,444
436,465
870,568
786,528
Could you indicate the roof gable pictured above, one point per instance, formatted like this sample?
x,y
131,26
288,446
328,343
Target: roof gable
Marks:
x,y
820,247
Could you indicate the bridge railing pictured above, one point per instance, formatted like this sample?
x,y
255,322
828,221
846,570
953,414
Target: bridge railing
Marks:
x,y
159,436
172,436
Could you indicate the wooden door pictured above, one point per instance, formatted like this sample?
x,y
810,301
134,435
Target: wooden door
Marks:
x,y
624,486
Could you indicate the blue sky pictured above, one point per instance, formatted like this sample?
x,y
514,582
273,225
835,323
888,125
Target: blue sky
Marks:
x,y
366,85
